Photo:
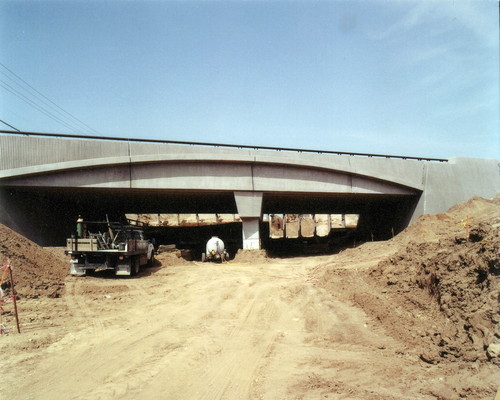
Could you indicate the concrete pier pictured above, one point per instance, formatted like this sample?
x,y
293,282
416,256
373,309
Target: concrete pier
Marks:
x,y
249,206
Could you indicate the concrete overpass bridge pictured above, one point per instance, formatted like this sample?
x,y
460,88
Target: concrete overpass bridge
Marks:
x,y
46,180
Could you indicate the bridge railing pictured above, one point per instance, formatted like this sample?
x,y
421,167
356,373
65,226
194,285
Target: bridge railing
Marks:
x,y
235,146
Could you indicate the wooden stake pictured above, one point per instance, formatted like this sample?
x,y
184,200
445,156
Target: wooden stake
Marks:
x,y
14,297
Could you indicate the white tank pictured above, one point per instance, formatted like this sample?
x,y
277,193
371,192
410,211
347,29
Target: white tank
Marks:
x,y
215,246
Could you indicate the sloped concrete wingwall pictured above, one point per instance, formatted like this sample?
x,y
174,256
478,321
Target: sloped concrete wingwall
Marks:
x,y
447,184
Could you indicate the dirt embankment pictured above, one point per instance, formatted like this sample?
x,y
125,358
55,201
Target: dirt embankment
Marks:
x,y
37,272
439,290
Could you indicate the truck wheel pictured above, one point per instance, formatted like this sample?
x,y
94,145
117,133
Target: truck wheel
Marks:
x,y
151,261
134,266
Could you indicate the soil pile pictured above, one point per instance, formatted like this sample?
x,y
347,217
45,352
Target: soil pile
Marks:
x,y
458,276
453,223
37,272
251,256
439,290
173,257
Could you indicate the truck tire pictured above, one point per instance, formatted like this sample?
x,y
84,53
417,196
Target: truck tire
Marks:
x,y
134,267
151,261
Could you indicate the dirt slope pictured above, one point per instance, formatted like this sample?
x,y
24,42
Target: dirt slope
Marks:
x,y
367,323
455,277
36,271
432,288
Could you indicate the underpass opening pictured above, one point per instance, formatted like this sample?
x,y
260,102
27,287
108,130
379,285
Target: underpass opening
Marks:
x,y
381,217
47,215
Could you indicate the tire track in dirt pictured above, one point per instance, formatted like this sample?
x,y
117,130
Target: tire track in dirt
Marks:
x,y
230,372
220,357
77,300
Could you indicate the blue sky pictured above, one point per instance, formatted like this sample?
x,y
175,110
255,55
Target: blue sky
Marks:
x,y
400,77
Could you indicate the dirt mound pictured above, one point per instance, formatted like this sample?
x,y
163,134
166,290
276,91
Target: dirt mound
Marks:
x,y
445,286
433,227
175,257
251,256
37,271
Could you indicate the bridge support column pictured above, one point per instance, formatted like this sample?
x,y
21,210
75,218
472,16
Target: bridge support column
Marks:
x,y
249,206
251,234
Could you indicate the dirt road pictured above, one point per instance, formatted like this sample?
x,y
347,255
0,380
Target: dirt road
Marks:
x,y
208,331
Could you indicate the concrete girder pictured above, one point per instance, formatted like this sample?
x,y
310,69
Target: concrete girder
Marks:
x,y
209,175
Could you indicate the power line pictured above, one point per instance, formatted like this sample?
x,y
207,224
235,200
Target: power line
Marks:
x,y
47,99
35,102
3,122
34,105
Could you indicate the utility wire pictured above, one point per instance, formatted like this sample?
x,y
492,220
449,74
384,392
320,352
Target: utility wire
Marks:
x,y
50,101
16,93
50,104
3,122
36,102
